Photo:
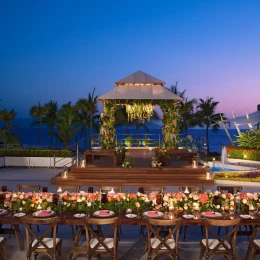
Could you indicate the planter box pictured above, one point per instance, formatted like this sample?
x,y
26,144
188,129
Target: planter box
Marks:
x,y
36,161
40,161
17,161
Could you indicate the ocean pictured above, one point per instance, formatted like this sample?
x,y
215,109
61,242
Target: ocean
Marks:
x,y
29,137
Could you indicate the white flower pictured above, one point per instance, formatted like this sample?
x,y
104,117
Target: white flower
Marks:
x,y
89,204
79,200
39,207
218,206
244,201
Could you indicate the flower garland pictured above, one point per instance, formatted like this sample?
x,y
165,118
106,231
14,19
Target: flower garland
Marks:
x,y
171,117
107,129
83,201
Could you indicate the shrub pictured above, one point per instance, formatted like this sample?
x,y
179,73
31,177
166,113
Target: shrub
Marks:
x,y
128,141
252,176
146,141
36,153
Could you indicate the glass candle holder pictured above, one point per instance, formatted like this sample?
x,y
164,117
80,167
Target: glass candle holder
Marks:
x,y
4,188
44,189
90,190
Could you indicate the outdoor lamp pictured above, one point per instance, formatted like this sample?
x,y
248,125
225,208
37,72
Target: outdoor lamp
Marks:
x,y
82,163
65,175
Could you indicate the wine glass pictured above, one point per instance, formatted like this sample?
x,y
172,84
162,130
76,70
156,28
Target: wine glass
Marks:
x,y
231,212
60,204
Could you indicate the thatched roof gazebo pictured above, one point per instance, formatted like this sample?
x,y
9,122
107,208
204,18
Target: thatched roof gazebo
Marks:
x,y
140,92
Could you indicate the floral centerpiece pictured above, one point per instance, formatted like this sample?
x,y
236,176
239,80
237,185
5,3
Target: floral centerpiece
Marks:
x,y
155,163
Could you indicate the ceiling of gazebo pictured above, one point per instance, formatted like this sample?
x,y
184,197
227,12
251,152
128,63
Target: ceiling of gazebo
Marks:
x,y
139,85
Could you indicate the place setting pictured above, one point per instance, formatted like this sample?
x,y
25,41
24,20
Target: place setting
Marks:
x,y
44,213
3,211
153,214
104,213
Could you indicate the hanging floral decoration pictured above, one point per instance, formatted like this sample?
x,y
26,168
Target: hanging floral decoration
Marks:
x,y
107,129
139,109
170,119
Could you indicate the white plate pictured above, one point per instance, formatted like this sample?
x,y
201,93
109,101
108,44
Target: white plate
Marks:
x,y
211,214
153,214
2,211
80,215
245,216
44,213
110,213
18,215
188,216
131,215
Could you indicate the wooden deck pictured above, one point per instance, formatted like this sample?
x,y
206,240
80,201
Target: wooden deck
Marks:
x,y
102,171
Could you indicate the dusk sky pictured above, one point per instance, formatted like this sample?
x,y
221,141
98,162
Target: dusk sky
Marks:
x,y
62,50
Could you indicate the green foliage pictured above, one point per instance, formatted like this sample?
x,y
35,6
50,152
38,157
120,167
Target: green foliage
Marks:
x,y
128,141
249,139
146,141
242,153
235,176
119,143
36,153
137,143
155,143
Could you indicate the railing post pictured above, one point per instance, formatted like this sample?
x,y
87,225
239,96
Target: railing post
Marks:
x,y
54,166
77,154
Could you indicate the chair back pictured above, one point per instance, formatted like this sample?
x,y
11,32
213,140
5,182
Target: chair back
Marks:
x,y
70,188
27,187
225,244
109,188
35,241
97,242
192,189
161,242
153,188
230,189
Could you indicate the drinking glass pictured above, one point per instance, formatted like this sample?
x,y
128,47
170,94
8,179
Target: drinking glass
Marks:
x,y
104,198
90,190
231,212
4,188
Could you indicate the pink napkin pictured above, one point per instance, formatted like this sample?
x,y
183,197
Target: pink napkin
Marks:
x,y
210,214
44,213
104,213
152,214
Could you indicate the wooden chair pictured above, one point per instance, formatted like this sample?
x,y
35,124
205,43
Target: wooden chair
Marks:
x,y
230,189
158,242
218,244
41,244
192,189
2,249
28,187
254,245
97,242
109,188
69,188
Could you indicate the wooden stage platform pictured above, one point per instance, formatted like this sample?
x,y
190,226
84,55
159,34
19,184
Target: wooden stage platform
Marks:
x,y
102,171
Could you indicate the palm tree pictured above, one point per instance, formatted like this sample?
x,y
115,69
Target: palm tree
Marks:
x,y
188,117
39,112
8,117
67,116
92,109
207,116
174,89
51,117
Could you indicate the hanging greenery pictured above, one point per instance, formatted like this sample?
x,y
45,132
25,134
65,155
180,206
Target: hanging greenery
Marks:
x,y
139,109
107,128
171,117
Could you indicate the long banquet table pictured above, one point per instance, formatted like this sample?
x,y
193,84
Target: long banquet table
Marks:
x,y
67,218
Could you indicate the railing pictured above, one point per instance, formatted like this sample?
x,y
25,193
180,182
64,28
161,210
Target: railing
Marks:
x,y
153,140
68,164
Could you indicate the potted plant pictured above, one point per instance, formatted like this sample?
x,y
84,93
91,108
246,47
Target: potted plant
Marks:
x,y
146,141
128,141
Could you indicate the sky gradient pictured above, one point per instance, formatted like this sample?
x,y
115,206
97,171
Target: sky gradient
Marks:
x,y
62,50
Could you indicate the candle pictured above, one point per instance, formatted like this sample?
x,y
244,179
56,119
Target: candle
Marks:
x,y
59,189
112,192
208,176
65,175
